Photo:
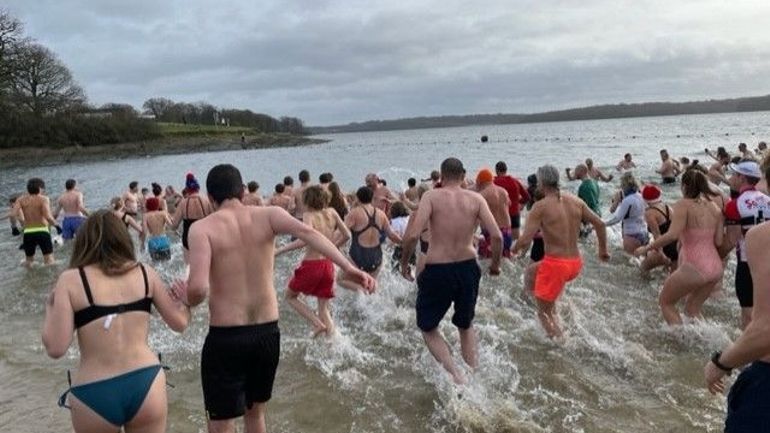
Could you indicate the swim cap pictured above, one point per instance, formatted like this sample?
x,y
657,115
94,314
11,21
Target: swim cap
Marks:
x,y
650,192
152,204
484,176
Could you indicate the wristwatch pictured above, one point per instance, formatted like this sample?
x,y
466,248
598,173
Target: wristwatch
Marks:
x,y
715,360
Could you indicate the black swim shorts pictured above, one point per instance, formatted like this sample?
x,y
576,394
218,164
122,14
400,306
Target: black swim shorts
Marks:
x,y
440,285
35,239
238,365
515,221
669,180
537,252
748,403
744,286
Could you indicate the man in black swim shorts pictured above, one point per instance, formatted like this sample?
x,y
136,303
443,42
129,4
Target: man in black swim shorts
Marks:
x,y
451,274
231,260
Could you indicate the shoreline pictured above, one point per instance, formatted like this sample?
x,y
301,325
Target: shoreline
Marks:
x,y
33,157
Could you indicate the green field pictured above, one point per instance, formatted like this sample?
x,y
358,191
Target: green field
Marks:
x,y
180,130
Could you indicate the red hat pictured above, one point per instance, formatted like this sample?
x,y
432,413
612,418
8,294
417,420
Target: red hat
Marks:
x,y
650,192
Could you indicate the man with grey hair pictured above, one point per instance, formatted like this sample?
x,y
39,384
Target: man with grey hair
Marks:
x,y
451,274
559,216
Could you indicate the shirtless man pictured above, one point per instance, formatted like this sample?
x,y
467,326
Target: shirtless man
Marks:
x,y
131,199
71,202
434,178
451,273
34,211
761,151
231,262
558,215
593,172
498,201
668,170
253,198
324,179
626,163
382,195
281,199
747,400
745,152
411,192
299,205
288,186
716,173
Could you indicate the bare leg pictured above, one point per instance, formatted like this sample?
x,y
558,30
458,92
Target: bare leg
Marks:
x,y
222,426
515,233
325,316
630,244
529,276
29,261
696,299
546,312
469,346
439,348
653,260
48,259
293,298
254,418
678,285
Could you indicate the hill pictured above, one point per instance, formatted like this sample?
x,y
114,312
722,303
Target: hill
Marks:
x,y
609,111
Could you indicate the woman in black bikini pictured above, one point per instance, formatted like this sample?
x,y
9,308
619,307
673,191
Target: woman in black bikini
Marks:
x,y
119,210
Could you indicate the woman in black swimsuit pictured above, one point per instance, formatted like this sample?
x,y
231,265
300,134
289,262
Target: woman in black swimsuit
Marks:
x,y
658,217
190,209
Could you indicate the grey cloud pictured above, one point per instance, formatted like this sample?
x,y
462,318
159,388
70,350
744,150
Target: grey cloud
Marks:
x,y
340,61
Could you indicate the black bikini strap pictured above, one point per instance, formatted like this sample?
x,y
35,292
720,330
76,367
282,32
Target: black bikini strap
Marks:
x,y
63,397
146,284
86,286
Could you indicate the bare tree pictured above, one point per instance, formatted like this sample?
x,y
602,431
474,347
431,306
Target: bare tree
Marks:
x,y
158,107
10,37
42,84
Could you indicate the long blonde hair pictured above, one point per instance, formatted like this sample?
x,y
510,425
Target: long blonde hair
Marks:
x,y
103,240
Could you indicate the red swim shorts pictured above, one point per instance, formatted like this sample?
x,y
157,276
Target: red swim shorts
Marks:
x,y
314,278
553,273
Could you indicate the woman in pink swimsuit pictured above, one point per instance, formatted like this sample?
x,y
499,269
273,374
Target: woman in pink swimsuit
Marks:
x,y
697,223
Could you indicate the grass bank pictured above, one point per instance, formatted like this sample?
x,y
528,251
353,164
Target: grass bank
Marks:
x,y
177,139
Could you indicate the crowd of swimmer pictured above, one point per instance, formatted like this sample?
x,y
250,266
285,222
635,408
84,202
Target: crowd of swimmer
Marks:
x,y
442,213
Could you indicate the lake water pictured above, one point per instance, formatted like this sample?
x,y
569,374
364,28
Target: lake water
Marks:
x,y
621,369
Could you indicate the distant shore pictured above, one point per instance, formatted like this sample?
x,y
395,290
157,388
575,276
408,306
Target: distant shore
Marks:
x,y
25,157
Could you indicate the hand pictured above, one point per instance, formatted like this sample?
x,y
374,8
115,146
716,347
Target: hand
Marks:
x,y
362,278
406,272
641,251
15,231
714,376
58,229
178,292
494,270
604,256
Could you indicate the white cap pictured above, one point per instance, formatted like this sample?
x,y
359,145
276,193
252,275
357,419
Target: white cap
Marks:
x,y
747,168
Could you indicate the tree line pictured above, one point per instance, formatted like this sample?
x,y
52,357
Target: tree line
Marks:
x,y
613,111
41,104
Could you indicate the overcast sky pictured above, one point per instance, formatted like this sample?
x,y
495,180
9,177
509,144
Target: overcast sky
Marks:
x,y
332,62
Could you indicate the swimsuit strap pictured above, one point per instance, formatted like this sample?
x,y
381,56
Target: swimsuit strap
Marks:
x,y
665,215
86,286
146,284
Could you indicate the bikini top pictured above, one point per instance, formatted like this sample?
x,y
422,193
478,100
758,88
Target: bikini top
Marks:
x,y
372,223
93,311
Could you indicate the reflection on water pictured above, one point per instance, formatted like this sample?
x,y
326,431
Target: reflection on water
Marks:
x,y
619,370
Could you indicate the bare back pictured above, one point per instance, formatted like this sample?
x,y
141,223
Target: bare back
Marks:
x,y
326,222
155,222
71,202
454,214
36,210
194,207
560,220
498,201
358,220
241,243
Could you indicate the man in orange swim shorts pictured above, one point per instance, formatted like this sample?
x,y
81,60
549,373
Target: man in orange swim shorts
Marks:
x,y
559,216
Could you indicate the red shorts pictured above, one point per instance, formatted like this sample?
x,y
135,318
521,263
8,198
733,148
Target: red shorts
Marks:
x,y
553,273
314,278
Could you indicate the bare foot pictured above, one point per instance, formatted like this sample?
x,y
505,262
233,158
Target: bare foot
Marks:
x,y
318,330
459,379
